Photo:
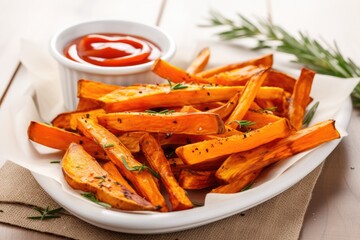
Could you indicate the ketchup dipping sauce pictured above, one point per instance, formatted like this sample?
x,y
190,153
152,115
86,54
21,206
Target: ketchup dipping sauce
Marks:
x,y
111,50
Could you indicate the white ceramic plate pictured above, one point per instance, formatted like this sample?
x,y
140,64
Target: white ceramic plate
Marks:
x,y
176,221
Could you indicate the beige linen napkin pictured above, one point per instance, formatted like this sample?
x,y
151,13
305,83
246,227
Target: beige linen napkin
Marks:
x,y
279,218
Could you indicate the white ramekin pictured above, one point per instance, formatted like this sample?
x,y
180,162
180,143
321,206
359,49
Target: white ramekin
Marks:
x,y
71,71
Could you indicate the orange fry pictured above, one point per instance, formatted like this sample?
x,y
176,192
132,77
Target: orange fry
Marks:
x,y
200,62
143,181
211,150
198,123
110,168
61,139
240,164
175,74
264,61
191,179
237,185
300,98
158,162
236,77
247,97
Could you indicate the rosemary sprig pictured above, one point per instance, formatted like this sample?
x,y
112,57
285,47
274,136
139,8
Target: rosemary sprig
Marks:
x,y
313,54
46,213
243,123
310,114
139,168
107,145
165,111
176,86
90,196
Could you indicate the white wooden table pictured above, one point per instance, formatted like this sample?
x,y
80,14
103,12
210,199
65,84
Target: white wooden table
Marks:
x,y
334,211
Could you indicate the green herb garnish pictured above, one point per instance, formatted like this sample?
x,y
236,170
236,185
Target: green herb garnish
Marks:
x,y
165,111
90,196
313,54
139,168
108,145
243,123
46,213
55,162
310,114
177,86
102,178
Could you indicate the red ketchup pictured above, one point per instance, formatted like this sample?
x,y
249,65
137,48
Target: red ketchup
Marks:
x,y
111,50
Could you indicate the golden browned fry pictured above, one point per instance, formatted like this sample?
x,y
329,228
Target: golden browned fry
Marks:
x,y
179,123
240,164
61,139
200,62
264,61
175,74
92,90
211,150
149,97
260,118
247,97
192,179
114,173
236,77
281,80
157,160
85,104
143,181
82,172
68,120
131,140
300,98
238,184
225,110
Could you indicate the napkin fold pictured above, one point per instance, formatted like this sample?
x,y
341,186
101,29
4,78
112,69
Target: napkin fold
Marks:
x,y
274,219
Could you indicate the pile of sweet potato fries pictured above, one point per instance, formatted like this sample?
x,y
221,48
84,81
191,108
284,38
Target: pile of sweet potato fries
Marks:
x,y
210,129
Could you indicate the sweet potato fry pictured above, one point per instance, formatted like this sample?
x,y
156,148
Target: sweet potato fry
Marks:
x,y
300,98
236,77
211,150
174,74
157,160
86,104
200,62
281,80
162,96
68,120
240,164
225,110
143,181
179,123
83,172
264,61
131,140
191,179
114,173
58,138
247,97
238,184
261,118
92,90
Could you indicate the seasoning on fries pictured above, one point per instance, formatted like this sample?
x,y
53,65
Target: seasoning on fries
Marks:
x,y
213,129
